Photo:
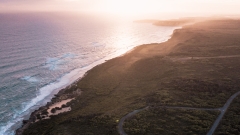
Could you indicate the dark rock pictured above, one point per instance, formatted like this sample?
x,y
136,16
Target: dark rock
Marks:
x,y
25,122
48,104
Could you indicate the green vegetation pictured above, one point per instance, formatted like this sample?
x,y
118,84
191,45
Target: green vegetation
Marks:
x,y
230,124
170,121
87,125
53,110
174,73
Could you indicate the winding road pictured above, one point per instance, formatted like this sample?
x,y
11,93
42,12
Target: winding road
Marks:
x,y
210,132
223,111
120,124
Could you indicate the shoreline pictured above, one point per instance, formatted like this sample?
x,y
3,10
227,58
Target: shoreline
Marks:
x,y
151,78
53,97
66,61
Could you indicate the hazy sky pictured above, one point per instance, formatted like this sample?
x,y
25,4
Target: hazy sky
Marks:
x,y
125,7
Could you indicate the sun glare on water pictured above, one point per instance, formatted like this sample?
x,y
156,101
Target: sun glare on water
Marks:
x,y
125,7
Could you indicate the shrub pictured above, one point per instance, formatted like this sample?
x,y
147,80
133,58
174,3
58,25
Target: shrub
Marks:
x,y
53,110
64,106
57,108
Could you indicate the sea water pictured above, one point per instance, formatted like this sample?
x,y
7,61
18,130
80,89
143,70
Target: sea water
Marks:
x,y
42,53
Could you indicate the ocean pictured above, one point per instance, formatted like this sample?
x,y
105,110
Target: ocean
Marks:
x,y
40,53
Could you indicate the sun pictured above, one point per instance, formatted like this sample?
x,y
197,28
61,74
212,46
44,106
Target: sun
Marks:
x,y
119,7
125,7
136,7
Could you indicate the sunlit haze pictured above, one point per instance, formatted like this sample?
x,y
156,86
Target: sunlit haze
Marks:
x,y
126,7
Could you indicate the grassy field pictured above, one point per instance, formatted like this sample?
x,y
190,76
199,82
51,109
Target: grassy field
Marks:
x,y
184,71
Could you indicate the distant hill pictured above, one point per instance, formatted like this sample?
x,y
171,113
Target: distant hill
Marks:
x,y
175,22
172,22
146,21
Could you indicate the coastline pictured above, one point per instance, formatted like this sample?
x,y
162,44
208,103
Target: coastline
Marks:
x,y
77,55
165,74
56,98
57,95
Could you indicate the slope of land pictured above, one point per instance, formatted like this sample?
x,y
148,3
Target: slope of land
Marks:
x,y
192,69
173,22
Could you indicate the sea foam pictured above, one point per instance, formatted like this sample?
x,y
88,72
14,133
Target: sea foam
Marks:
x,y
56,62
31,79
